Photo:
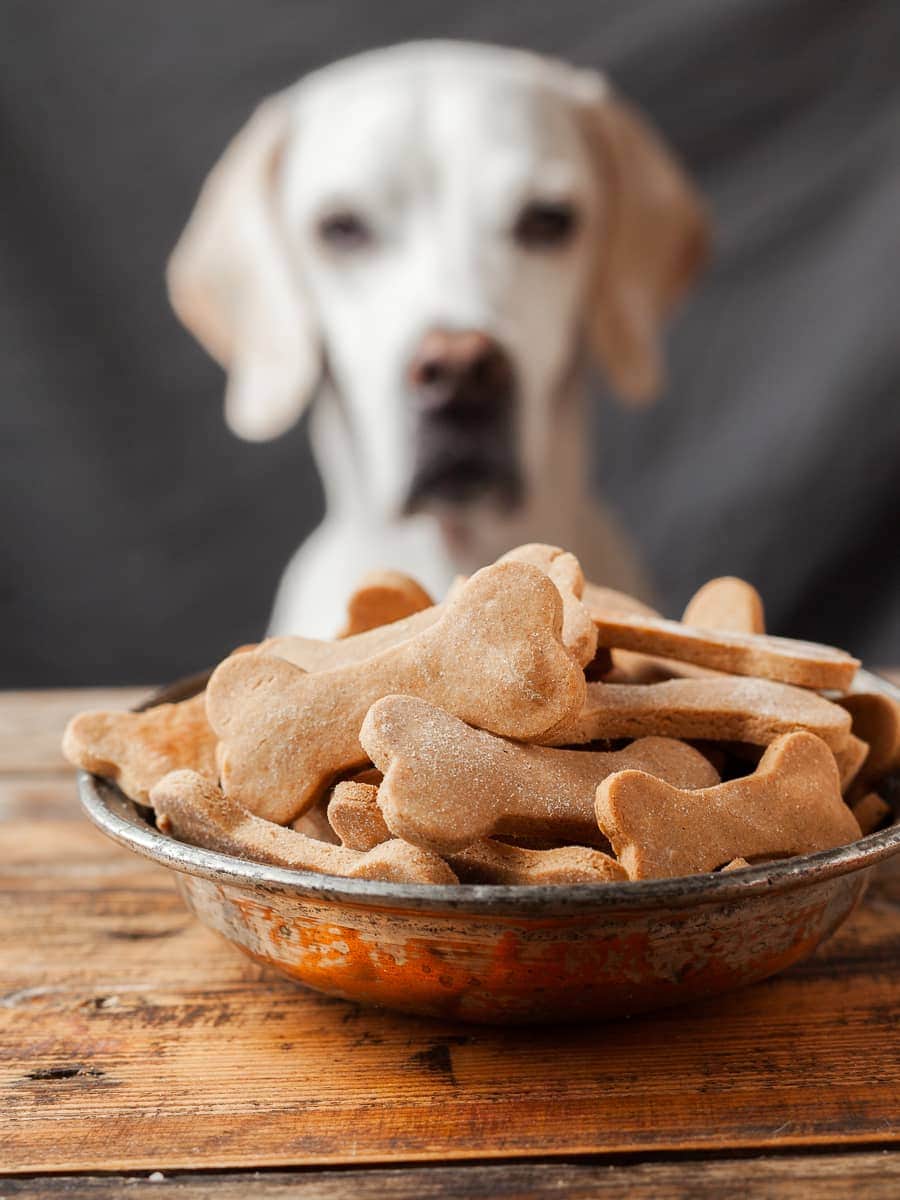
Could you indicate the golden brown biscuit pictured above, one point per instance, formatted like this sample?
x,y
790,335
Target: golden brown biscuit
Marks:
x,y
195,810
727,603
311,654
497,862
135,750
579,633
850,760
624,665
447,785
355,817
288,734
727,708
784,660
871,812
382,597
876,719
792,804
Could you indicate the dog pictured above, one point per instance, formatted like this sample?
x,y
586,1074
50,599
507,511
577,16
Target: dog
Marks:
x,y
433,238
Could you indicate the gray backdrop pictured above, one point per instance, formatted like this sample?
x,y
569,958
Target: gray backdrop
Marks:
x,y
141,540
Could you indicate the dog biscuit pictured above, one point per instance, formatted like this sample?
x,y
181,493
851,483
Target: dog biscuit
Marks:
x,y
579,633
563,568
870,812
784,660
850,760
195,810
498,862
314,655
447,785
135,750
288,733
624,666
311,654
876,719
727,603
725,708
736,864
382,597
355,817
792,804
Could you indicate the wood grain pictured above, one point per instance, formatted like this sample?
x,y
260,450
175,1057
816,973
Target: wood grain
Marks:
x,y
875,1176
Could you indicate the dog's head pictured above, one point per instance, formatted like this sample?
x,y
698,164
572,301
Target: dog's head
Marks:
x,y
440,228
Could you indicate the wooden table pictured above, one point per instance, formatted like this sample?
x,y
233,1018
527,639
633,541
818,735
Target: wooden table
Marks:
x,y
132,1041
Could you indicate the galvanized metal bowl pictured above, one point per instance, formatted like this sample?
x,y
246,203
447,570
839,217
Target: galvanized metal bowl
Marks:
x,y
505,954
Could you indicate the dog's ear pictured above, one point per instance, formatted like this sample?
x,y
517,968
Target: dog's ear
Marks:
x,y
231,282
655,240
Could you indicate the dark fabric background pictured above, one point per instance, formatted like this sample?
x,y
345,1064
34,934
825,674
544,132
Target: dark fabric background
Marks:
x,y
140,540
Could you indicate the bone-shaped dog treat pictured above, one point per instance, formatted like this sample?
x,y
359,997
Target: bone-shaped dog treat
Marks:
x,y
850,760
354,815
313,655
196,811
447,785
579,633
497,862
563,569
870,811
876,719
382,597
494,658
135,750
736,864
725,708
791,804
784,660
727,603
623,666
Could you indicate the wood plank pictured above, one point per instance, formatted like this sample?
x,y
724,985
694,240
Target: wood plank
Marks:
x,y
132,1038
874,1175
32,723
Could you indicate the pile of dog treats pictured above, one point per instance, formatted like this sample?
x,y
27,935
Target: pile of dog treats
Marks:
x,y
532,728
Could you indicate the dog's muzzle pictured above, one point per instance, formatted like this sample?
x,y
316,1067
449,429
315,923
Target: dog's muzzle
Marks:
x,y
462,389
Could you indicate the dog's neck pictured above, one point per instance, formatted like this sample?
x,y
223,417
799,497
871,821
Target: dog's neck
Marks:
x,y
467,537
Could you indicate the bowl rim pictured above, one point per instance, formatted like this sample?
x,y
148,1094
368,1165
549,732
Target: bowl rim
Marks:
x,y
122,820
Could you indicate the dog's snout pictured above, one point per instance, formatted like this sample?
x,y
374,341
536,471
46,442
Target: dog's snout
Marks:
x,y
463,391
459,370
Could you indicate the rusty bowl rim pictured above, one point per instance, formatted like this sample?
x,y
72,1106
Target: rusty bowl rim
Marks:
x,y
122,820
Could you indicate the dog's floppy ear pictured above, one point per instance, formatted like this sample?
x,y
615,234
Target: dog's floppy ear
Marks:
x,y
231,282
654,242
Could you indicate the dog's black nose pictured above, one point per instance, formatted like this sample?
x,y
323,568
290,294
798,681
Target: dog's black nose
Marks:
x,y
460,373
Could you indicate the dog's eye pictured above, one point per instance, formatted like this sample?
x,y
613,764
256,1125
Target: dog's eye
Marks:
x,y
344,230
545,224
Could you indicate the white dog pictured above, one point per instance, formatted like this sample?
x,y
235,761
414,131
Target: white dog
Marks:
x,y
431,237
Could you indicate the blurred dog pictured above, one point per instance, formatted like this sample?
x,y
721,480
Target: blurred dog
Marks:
x,y
432,237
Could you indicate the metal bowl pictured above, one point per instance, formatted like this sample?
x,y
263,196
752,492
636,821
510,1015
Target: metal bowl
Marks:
x,y
505,954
